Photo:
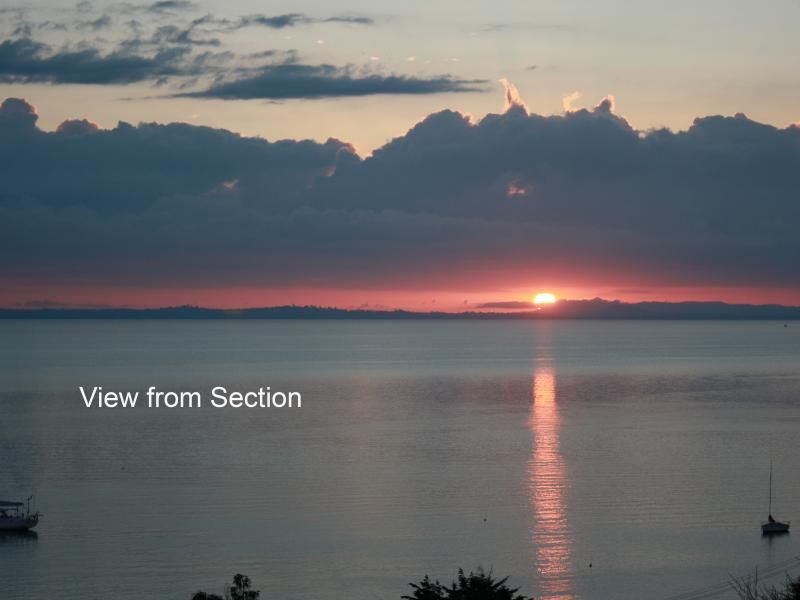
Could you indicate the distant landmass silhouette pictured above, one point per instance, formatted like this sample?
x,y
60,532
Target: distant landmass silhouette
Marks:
x,y
564,309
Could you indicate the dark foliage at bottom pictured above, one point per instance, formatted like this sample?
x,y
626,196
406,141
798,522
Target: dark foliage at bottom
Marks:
x,y
240,590
475,586
748,588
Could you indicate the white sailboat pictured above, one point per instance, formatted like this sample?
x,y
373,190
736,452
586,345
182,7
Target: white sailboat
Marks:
x,y
773,527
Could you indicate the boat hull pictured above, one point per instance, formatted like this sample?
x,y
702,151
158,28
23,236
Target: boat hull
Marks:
x,y
18,523
776,528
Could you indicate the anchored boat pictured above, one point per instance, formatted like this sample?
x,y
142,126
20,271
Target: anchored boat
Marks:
x,y
773,527
17,516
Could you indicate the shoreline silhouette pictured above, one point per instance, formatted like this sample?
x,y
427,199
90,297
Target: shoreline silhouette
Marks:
x,y
565,309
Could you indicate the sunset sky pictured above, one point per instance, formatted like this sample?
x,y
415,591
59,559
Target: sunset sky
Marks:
x,y
423,155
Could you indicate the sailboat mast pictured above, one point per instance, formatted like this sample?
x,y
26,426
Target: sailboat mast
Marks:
x,y
770,486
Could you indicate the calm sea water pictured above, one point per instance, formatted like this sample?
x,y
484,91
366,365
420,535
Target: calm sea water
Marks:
x,y
587,460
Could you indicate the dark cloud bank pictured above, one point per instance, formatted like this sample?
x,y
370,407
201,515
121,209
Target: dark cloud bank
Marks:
x,y
166,42
581,198
24,60
288,81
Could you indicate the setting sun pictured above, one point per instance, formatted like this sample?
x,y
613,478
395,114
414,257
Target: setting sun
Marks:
x,y
544,298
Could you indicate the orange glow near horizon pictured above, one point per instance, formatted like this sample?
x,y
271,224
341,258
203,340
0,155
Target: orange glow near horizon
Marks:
x,y
456,299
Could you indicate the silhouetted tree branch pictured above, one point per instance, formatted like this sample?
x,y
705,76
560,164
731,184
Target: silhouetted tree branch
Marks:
x,y
240,590
748,588
475,586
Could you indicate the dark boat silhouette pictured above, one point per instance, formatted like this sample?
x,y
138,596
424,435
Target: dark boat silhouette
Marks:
x,y
772,526
17,516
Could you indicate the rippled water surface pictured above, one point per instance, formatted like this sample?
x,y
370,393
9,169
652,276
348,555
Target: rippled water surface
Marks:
x,y
587,460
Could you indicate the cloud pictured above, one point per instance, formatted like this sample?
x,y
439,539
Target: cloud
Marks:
x,y
51,304
16,116
291,80
274,22
605,204
607,104
170,52
78,127
159,45
162,40
147,162
350,19
508,305
103,22
512,96
294,19
179,35
568,99
27,61
166,6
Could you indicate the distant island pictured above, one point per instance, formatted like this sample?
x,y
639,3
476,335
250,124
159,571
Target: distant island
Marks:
x,y
565,309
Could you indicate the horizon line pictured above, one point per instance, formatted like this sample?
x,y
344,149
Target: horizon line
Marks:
x,y
596,308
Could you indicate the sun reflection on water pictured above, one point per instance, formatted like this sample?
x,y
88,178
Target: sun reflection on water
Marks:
x,y
547,484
